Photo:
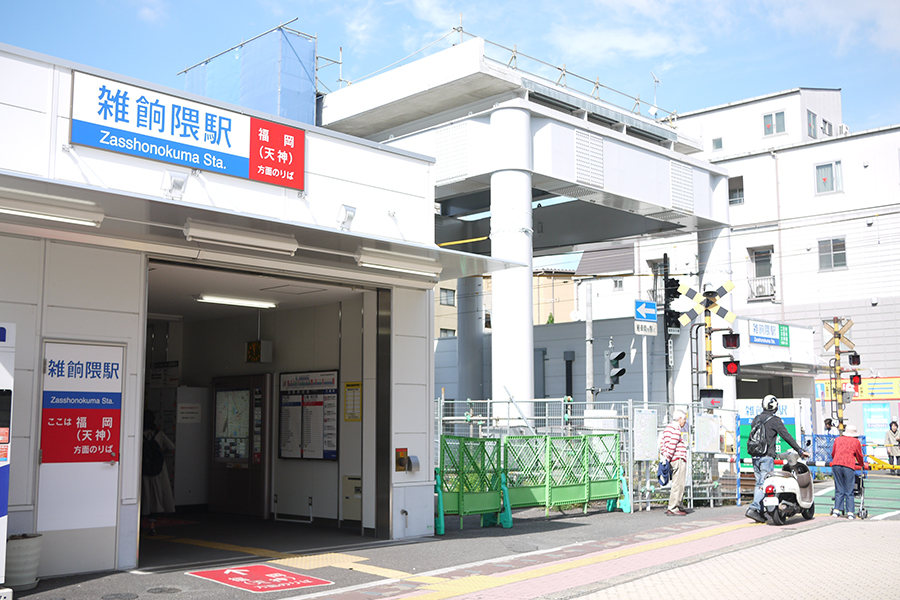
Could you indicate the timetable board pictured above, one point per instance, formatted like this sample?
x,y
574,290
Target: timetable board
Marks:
x,y
308,411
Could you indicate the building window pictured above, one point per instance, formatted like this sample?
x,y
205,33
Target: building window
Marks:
x,y
762,261
717,144
448,332
826,128
618,284
828,178
448,297
773,123
811,123
762,283
832,254
736,190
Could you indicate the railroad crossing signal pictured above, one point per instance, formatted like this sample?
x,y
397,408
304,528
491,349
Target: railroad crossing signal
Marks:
x,y
838,329
706,302
838,334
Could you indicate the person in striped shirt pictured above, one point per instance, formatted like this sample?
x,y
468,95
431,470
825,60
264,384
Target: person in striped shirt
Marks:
x,y
674,450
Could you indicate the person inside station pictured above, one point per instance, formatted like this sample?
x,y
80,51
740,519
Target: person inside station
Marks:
x,y
830,429
156,488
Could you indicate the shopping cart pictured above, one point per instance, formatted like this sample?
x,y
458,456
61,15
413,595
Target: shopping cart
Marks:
x,y
859,491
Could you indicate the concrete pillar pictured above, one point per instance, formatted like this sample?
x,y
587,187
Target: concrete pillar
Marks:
x,y
512,329
470,339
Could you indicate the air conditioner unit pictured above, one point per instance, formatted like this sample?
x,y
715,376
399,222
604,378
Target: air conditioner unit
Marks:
x,y
760,290
843,129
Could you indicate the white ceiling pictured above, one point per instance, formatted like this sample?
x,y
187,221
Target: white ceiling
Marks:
x,y
173,289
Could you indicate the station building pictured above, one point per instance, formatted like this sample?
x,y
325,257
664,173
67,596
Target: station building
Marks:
x,y
123,205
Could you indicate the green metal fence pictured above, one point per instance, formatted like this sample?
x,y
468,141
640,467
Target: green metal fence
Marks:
x,y
537,471
470,475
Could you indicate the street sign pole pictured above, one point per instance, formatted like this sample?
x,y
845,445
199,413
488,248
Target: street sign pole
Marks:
x,y
645,318
644,369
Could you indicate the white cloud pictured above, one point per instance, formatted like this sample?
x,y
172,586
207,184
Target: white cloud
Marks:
x,y
435,13
153,11
849,24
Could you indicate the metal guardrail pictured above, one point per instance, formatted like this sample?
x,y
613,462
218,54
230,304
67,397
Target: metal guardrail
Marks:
x,y
715,478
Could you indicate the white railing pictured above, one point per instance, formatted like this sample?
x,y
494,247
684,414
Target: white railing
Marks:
x,y
761,288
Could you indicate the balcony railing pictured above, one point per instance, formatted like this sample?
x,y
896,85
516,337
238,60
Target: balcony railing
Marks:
x,y
761,288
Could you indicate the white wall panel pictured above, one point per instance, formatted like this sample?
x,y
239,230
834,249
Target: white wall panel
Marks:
x,y
34,91
93,278
20,262
24,133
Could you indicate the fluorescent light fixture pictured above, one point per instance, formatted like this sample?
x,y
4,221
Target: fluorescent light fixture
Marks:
x,y
238,237
398,263
210,299
51,212
345,216
173,184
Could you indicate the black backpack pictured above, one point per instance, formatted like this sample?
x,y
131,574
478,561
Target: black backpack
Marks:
x,y
151,456
756,441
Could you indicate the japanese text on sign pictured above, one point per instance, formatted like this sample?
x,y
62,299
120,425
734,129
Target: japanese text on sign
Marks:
x,y
122,118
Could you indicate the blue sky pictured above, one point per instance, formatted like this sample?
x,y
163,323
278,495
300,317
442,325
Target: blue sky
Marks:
x,y
704,52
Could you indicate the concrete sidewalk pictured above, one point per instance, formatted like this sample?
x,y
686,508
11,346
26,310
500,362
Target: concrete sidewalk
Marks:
x,y
837,559
644,555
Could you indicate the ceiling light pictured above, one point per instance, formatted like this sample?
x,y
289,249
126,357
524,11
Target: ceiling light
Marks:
x,y
345,216
235,301
173,184
397,263
52,212
238,237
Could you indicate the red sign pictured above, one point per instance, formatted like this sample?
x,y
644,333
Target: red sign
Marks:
x,y
277,154
260,578
79,435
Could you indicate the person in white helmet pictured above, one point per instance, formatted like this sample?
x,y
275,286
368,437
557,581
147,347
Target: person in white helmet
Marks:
x,y
765,464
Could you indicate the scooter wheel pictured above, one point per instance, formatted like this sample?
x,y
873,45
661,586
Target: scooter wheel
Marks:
x,y
863,513
778,517
809,513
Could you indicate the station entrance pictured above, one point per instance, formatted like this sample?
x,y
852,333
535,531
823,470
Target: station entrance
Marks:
x,y
266,444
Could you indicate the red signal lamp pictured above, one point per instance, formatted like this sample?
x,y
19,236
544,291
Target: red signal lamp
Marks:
x,y
856,379
731,340
731,367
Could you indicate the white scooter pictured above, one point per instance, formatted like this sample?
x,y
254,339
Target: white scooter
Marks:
x,y
789,491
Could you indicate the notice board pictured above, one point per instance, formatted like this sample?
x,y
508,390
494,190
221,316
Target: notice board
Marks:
x,y
308,412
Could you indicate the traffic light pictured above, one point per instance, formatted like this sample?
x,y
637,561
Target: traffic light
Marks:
x,y
855,379
732,367
854,360
613,371
672,286
672,318
731,340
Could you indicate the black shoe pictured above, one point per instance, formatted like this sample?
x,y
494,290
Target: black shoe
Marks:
x,y
754,514
685,510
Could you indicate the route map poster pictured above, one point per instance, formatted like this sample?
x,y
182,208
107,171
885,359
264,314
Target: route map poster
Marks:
x,y
308,413
232,435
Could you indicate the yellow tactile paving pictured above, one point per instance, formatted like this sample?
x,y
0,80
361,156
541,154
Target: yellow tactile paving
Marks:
x,y
233,548
466,585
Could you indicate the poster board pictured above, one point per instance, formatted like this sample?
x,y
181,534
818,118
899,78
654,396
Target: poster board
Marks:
x,y
308,413
645,435
706,433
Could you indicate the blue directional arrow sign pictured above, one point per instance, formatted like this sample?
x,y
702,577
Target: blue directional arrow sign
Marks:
x,y
645,311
